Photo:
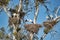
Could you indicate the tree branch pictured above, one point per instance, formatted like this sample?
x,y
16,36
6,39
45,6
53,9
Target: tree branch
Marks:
x,y
20,6
43,36
7,12
57,11
36,13
57,18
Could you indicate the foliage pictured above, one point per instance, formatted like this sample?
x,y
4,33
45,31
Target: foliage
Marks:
x,y
4,2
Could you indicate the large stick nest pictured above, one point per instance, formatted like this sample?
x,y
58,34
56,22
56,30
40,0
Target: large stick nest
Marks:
x,y
48,25
32,27
14,21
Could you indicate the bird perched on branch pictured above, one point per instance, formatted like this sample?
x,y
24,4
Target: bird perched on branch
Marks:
x,y
22,14
28,20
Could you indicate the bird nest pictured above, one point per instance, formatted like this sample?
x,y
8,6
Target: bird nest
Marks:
x,y
48,25
14,21
32,27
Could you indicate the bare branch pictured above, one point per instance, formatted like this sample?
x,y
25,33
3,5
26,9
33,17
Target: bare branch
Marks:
x,y
20,6
35,16
43,36
31,36
57,11
36,13
57,18
7,12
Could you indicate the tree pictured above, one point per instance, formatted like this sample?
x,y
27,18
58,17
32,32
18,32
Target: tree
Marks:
x,y
19,29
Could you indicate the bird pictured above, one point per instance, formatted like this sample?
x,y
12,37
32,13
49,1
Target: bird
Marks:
x,y
28,20
22,14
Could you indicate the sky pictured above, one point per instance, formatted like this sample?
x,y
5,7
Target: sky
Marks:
x,y
41,18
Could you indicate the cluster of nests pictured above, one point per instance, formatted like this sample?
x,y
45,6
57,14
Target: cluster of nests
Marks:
x,y
16,20
4,2
33,28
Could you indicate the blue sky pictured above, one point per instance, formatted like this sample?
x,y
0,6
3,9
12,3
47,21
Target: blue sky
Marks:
x,y
41,18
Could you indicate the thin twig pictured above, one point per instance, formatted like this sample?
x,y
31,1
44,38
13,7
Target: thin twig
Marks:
x,y
57,11
57,18
43,36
